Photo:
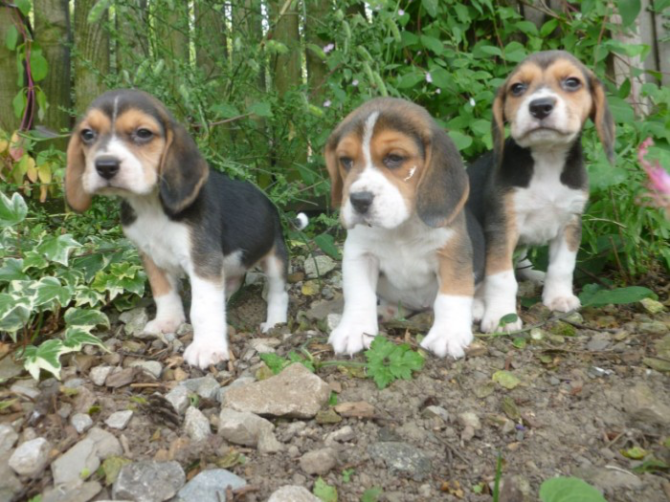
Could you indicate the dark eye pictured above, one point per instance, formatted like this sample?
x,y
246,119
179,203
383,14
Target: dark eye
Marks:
x,y
87,135
518,89
144,134
571,84
393,161
346,162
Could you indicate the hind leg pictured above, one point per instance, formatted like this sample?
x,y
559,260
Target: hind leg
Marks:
x,y
275,265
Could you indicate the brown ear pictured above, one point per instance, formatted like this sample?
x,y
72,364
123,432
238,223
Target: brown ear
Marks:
x,y
75,195
443,187
602,117
336,183
183,170
498,123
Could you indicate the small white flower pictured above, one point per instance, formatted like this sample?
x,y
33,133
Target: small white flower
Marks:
x,y
354,82
472,102
327,103
401,12
429,78
328,48
438,91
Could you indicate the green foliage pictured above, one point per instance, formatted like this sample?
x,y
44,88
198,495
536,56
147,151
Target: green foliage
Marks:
x,y
593,295
372,494
277,363
564,489
388,362
324,491
56,281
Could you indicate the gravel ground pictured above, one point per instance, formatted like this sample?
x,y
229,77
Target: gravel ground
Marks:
x,y
574,397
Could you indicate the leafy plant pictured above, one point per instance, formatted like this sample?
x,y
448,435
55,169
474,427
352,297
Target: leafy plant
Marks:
x,y
388,362
276,363
593,295
372,494
564,489
324,491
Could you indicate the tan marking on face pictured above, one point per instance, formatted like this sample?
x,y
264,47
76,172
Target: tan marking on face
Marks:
x,y
148,153
98,121
158,280
529,74
573,233
501,245
455,263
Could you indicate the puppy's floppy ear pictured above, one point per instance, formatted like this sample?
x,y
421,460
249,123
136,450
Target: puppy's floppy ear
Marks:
x,y
336,182
443,187
183,170
498,122
602,117
75,195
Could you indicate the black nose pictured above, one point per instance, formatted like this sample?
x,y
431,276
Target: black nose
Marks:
x,y
107,166
541,108
361,201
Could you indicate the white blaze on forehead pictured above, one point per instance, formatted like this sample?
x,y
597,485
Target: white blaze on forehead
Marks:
x,y
115,112
367,137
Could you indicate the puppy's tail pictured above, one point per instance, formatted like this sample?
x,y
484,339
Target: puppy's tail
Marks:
x,y
301,221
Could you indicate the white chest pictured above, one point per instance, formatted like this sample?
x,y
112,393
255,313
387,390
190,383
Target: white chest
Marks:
x,y
544,208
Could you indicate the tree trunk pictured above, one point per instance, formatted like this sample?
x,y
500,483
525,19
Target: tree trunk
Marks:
x,y
52,32
91,58
284,27
132,46
211,45
317,70
172,30
9,87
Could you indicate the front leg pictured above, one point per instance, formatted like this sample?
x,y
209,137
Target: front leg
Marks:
x,y
557,293
358,326
451,332
169,308
208,317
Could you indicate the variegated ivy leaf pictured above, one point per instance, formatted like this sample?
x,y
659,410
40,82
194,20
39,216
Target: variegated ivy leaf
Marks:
x,y
91,264
75,338
33,259
84,295
12,270
14,312
122,277
46,357
50,289
85,319
57,248
12,211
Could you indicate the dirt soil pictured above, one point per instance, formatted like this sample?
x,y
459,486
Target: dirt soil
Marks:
x,y
587,392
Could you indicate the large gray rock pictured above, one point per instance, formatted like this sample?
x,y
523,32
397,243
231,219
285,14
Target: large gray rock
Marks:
x,y
196,425
31,457
319,266
295,392
242,427
206,387
106,443
402,459
72,492
210,486
149,481
8,438
646,409
319,461
78,463
292,493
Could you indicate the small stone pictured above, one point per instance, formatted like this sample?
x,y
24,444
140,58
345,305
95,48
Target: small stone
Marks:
x,y
26,388
646,409
152,367
196,425
291,493
264,345
31,457
342,435
320,309
469,419
8,438
81,422
333,321
64,410
149,481
402,459
328,417
119,420
537,334
120,378
73,383
355,409
319,266
72,492
184,329
268,443
210,486
242,427
135,320
436,411
319,462
206,387
179,399
106,443
10,484
79,462
292,429
295,392
598,342
652,306
611,480
653,328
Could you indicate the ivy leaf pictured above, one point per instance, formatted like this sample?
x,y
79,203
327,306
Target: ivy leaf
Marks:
x,y
324,491
45,357
12,270
14,312
85,295
49,289
85,319
57,248
12,211
33,259
75,338
563,489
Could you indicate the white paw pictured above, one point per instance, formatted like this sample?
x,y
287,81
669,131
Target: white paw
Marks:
x,y
349,338
564,303
478,309
269,324
165,326
206,351
447,342
491,322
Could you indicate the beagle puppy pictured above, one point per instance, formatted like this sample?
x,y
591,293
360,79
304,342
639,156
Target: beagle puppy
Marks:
x,y
532,188
402,188
183,217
